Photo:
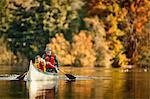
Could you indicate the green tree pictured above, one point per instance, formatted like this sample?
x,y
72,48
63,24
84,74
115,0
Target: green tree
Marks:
x,y
61,16
25,32
28,26
5,16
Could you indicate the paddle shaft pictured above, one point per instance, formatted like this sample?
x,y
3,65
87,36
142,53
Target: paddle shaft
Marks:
x,y
21,77
71,77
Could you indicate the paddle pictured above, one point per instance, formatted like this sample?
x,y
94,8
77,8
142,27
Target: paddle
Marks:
x,y
71,77
21,77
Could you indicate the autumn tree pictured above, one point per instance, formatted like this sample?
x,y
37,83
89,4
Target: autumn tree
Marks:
x,y
7,56
96,29
83,49
110,13
137,37
78,53
61,47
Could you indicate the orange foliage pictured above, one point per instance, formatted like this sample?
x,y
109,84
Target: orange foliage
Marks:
x,y
141,9
140,15
111,30
138,27
133,7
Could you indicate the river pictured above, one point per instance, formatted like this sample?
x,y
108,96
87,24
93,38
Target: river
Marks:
x,y
91,83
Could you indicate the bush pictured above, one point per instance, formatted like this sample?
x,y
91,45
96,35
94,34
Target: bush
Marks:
x,y
7,57
82,49
61,47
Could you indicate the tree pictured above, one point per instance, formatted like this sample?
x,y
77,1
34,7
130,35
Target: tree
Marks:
x,y
137,19
83,49
29,25
25,32
96,29
62,48
125,23
61,16
110,13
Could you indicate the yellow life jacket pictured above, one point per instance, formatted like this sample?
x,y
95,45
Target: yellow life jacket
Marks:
x,y
37,64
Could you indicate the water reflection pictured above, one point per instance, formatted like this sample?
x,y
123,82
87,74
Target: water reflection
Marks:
x,y
137,85
13,90
91,83
42,89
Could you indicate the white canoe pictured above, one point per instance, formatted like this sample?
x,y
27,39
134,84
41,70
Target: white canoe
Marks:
x,y
36,75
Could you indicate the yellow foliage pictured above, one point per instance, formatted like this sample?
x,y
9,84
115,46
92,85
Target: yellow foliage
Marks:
x,y
144,48
27,4
7,57
118,46
35,48
61,48
133,7
96,29
100,6
82,50
133,16
123,60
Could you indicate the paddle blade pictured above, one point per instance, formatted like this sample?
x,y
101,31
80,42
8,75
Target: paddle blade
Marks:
x,y
71,77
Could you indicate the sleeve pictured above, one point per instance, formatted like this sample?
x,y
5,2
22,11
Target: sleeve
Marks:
x,y
43,56
56,60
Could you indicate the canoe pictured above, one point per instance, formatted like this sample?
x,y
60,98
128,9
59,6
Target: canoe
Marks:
x,y
36,75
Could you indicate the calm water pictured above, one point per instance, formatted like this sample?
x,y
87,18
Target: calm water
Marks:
x,y
91,83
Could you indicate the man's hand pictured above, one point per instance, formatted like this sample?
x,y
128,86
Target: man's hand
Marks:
x,y
48,63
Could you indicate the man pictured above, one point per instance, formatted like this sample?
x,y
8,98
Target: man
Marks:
x,y
51,60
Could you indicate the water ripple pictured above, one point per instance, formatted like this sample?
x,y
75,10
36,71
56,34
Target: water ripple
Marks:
x,y
88,78
8,76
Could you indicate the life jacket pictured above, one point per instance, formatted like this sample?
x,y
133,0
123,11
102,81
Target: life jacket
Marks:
x,y
41,67
51,60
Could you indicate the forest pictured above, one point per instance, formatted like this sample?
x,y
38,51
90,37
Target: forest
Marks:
x,y
109,33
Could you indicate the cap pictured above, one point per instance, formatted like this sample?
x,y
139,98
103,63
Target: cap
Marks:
x,y
47,49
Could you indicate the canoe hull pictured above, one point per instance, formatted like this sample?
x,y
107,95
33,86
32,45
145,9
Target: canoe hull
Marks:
x,y
36,75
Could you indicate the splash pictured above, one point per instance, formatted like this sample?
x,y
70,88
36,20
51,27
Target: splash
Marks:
x,y
8,76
